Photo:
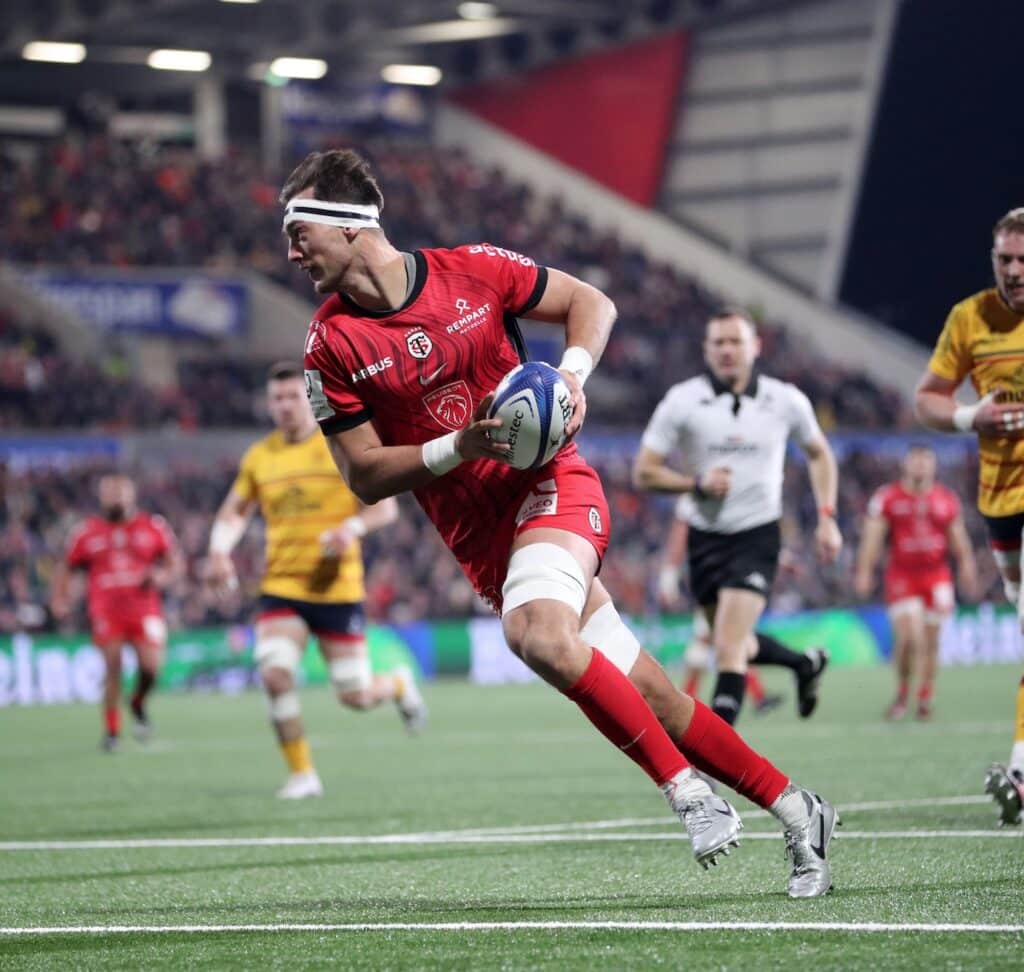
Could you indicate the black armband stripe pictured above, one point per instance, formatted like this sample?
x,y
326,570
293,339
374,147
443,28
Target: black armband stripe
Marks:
x,y
342,423
538,291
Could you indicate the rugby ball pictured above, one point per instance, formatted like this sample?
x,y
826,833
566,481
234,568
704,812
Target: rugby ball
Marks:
x,y
532,401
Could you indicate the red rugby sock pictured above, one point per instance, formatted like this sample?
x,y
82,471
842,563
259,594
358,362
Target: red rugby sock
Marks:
x,y
712,745
112,720
620,713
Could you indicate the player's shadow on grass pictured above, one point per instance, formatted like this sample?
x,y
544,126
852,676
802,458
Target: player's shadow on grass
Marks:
x,y
696,897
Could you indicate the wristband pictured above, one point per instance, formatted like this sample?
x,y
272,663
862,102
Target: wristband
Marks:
x,y
826,509
579,361
963,417
440,455
223,537
355,525
668,581
698,490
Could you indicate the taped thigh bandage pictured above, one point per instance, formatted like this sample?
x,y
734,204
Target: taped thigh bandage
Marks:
x,y
544,571
284,706
607,632
1012,590
350,674
277,651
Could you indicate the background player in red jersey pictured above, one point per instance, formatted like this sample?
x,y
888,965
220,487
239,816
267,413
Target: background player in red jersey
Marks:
x,y
401,363
128,557
924,523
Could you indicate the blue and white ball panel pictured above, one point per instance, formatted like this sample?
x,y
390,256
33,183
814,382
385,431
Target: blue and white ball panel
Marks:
x,y
532,401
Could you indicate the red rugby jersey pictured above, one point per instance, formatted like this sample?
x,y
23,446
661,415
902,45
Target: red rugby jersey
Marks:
x,y
918,525
420,371
118,558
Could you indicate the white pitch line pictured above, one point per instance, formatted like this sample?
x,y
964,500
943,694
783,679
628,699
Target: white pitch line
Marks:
x,y
869,927
480,835
436,836
380,840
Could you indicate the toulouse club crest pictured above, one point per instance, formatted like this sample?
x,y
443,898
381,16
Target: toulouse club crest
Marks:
x,y
451,405
418,344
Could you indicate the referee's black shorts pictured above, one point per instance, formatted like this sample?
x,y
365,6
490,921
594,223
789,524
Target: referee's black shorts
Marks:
x,y
746,560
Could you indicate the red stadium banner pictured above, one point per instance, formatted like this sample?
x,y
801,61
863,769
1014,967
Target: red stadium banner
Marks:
x,y
610,115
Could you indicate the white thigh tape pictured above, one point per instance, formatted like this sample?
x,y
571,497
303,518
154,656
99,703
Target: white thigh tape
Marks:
x,y
351,674
544,571
277,651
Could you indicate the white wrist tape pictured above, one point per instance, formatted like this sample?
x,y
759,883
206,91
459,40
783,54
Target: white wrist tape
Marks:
x,y
579,361
224,535
963,416
668,581
440,455
355,525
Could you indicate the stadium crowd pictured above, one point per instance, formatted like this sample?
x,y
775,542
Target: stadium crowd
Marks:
x,y
78,201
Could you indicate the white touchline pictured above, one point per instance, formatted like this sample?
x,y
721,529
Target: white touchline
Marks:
x,y
531,833
484,926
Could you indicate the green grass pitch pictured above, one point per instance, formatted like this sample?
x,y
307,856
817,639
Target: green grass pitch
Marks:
x,y
501,790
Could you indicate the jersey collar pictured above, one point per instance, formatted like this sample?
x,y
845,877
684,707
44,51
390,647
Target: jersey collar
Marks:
x,y
417,288
719,388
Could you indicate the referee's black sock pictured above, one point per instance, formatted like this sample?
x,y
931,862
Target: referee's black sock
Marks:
x,y
772,652
728,696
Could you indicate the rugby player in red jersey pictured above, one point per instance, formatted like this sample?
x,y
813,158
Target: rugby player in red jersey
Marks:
x,y
129,557
401,362
923,522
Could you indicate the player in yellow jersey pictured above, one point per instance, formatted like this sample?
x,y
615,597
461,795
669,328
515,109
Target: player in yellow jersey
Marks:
x,y
984,339
313,581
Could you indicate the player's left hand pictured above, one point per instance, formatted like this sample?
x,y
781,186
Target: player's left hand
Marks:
x,y
336,541
578,401
970,588
828,540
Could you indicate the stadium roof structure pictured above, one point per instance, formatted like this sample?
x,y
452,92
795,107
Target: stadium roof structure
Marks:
x,y
467,41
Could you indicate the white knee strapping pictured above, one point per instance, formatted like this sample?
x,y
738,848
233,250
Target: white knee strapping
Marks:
x,y
277,651
1012,591
544,571
284,706
351,674
607,632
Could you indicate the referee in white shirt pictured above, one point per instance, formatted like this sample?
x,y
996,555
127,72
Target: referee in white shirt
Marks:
x,y
730,425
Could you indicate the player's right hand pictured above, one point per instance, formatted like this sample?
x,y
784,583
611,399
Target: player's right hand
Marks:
x,y
668,586
220,573
715,482
474,441
996,419
60,608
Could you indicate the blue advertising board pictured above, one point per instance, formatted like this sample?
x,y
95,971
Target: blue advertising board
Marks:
x,y
187,304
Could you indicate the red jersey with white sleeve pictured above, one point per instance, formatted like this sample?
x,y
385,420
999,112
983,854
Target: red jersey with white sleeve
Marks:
x,y
420,371
118,558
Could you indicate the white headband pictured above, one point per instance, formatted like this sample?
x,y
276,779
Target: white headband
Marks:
x,y
330,213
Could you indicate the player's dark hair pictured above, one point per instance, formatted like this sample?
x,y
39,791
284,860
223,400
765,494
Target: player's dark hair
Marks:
x,y
1012,222
283,370
918,446
338,175
733,310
